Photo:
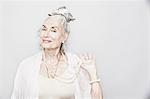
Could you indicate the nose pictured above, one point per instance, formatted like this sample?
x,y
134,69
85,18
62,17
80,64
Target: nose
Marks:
x,y
46,34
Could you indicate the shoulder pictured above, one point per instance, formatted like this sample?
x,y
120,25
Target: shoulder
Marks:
x,y
30,60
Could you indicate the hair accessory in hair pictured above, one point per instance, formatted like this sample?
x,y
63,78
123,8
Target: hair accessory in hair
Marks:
x,y
64,12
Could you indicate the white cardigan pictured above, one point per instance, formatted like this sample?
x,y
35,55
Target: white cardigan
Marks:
x,y
26,80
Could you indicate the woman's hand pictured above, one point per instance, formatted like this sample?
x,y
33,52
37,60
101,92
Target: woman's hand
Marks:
x,y
88,63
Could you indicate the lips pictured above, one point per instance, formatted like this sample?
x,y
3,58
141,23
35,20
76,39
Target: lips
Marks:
x,y
46,41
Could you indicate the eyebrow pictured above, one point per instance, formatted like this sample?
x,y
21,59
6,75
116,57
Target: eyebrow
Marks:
x,y
44,26
52,26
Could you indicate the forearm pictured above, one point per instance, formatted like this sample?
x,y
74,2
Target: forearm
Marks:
x,y
96,90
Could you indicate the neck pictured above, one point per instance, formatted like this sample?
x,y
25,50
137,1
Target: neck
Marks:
x,y
51,53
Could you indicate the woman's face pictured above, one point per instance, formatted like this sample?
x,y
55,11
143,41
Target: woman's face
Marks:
x,y
52,33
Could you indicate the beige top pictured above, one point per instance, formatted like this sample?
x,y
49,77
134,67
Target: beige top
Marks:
x,y
55,89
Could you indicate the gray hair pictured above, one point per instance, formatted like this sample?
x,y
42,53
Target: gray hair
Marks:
x,y
67,17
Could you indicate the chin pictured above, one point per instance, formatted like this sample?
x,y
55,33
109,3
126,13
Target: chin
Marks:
x,y
48,46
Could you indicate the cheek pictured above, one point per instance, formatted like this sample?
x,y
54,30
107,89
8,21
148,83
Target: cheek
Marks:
x,y
41,40
57,41
57,36
41,36
54,35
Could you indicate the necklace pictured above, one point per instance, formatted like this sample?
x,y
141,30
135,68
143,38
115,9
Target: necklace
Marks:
x,y
51,73
69,78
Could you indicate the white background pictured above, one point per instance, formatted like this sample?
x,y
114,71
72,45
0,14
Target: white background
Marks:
x,y
117,32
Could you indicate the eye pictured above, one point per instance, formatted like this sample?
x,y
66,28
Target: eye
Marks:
x,y
53,30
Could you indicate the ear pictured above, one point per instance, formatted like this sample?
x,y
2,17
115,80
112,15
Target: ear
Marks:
x,y
66,36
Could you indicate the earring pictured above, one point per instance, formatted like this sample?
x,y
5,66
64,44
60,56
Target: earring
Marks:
x,y
62,41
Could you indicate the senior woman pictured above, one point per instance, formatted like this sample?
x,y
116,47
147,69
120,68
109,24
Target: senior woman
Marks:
x,y
55,73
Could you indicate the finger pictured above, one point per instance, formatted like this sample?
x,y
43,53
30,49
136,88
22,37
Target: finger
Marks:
x,y
80,63
82,57
90,55
83,67
86,56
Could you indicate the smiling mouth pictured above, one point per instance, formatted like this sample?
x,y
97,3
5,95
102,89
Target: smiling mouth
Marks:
x,y
47,41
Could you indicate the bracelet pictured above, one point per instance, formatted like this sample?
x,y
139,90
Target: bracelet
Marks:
x,y
94,81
